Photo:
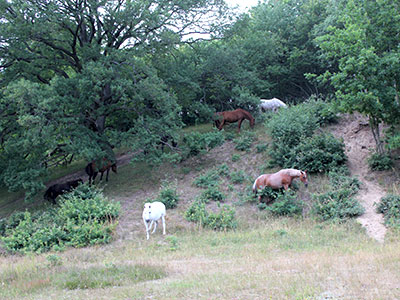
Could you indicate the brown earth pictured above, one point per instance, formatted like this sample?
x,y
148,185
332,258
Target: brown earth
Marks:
x,y
359,142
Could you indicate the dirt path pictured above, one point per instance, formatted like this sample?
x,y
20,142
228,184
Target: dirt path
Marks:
x,y
359,142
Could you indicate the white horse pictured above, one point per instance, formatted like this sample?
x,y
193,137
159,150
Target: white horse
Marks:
x,y
153,212
271,104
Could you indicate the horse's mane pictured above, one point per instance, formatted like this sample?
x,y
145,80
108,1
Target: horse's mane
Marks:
x,y
248,116
292,172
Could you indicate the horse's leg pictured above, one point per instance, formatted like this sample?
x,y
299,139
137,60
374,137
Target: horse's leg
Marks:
x,y
163,223
147,228
108,171
239,124
94,176
221,124
155,226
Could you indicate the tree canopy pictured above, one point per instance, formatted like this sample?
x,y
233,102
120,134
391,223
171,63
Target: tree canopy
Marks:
x,y
79,78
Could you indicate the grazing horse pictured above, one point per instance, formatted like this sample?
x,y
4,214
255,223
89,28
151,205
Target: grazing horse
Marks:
x,y
60,188
237,115
271,104
280,179
152,213
92,169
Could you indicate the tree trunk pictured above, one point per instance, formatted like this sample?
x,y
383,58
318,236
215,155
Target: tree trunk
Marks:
x,y
374,125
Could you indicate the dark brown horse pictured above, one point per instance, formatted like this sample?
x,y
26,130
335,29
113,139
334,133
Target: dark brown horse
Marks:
x,y
61,188
94,167
237,115
280,179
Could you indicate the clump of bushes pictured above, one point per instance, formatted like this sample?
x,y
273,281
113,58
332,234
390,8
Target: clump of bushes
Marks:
x,y
389,206
285,204
222,220
380,162
195,143
338,203
294,143
84,217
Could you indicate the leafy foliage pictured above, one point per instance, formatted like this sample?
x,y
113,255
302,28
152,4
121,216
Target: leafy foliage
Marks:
x,y
296,145
380,162
389,206
338,203
198,143
285,204
223,220
168,195
84,217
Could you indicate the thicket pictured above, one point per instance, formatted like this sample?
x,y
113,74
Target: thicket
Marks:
x,y
195,143
83,217
284,203
295,143
338,203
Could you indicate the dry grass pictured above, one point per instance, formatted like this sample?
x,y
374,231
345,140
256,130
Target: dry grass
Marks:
x,y
277,259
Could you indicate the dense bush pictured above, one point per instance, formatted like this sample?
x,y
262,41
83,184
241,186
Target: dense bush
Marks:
x,y
84,217
294,144
285,204
212,177
319,153
380,162
389,206
195,143
338,203
224,219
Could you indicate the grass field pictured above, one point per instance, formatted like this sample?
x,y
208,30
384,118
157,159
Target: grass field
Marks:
x,y
264,258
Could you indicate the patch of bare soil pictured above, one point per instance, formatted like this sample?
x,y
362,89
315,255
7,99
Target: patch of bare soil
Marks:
x,y
359,141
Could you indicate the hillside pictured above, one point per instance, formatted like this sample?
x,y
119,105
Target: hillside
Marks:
x,y
266,257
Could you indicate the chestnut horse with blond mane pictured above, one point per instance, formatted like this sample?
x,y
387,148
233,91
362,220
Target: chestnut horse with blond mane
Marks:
x,y
237,115
280,179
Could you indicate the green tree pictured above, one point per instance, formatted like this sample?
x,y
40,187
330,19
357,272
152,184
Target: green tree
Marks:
x,y
364,44
74,78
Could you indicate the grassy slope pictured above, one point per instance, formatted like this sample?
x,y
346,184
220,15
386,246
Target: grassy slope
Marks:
x,y
266,258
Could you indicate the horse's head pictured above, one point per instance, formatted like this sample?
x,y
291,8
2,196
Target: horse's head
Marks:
x,y
147,212
303,177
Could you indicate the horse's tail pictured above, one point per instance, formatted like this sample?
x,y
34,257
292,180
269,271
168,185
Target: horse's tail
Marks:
x,y
255,186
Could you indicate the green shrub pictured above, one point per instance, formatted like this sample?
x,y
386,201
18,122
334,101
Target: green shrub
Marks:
x,y
238,177
286,204
223,220
208,179
268,194
339,202
294,144
213,193
197,212
262,147
168,195
319,153
389,206
380,162
195,143
244,141
324,112
77,222
235,157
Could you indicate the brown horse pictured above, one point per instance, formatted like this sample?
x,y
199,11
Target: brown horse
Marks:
x,y
280,179
92,169
237,115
